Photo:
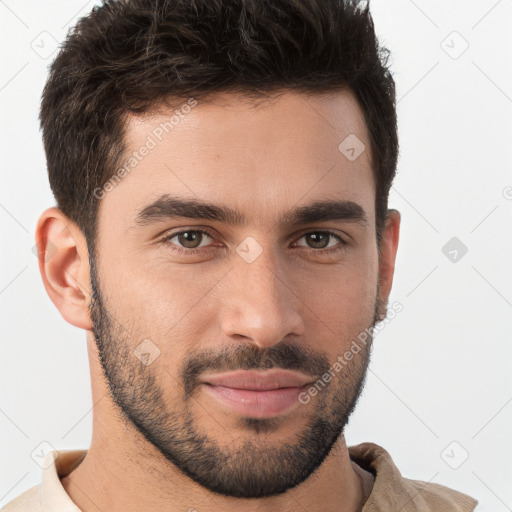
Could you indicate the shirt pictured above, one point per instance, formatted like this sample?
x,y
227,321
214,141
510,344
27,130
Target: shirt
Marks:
x,y
385,489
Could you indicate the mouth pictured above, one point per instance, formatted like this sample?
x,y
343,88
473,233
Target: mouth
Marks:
x,y
257,393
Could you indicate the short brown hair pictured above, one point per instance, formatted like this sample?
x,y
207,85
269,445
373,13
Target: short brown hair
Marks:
x,y
128,56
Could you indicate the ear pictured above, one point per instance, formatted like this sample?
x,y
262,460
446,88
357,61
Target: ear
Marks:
x,y
64,266
389,246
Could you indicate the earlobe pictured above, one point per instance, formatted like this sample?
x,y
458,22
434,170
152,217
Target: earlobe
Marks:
x,y
390,238
64,266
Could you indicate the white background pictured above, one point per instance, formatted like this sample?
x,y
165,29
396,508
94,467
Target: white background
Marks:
x,y
441,370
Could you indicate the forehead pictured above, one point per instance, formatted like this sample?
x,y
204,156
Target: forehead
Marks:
x,y
261,159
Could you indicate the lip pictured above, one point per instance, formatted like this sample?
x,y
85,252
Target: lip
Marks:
x,y
257,393
259,380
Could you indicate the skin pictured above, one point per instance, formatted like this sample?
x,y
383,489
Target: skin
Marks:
x,y
264,161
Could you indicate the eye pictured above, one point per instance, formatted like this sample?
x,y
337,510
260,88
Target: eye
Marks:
x,y
320,240
189,241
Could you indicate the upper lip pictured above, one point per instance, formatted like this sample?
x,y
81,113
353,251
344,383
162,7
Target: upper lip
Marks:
x,y
259,380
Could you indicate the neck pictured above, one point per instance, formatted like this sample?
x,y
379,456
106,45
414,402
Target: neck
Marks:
x,y
120,475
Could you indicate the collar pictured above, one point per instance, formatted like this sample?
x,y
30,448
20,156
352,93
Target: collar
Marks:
x,y
390,490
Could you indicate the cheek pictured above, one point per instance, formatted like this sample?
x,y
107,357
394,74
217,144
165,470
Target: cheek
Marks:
x,y
343,300
345,309
163,304
154,288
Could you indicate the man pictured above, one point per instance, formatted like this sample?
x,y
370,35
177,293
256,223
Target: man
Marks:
x,y
221,171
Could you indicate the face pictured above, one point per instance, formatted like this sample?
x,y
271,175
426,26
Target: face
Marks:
x,y
211,323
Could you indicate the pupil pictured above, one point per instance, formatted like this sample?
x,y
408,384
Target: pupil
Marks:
x,y
317,236
187,235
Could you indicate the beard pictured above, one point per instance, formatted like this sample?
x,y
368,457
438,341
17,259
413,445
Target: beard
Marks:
x,y
256,468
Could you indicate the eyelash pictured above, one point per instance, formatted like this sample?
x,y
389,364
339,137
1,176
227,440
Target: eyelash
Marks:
x,y
165,241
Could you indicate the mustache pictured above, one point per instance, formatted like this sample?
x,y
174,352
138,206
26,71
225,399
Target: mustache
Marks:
x,y
287,356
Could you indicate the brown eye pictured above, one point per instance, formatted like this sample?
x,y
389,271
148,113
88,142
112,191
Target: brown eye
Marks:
x,y
187,240
319,239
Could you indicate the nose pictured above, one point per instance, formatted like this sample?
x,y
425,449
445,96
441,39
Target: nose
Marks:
x,y
260,305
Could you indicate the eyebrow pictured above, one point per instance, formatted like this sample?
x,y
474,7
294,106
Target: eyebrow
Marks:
x,y
170,207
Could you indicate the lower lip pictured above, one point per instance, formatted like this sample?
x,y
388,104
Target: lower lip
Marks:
x,y
257,404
